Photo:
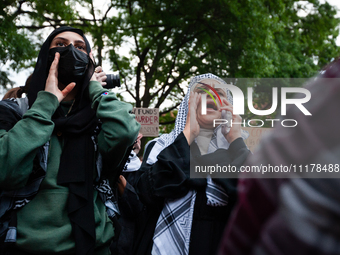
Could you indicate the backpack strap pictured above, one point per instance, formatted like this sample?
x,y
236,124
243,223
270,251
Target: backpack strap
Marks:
x,y
10,114
11,111
23,104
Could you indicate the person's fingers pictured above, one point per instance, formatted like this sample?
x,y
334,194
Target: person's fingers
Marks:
x,y
98,69
54,65
227,108
68,89
237,123
237,118
197,100
101,75
190,102
51,84
226,102
191,129
196,96
192,105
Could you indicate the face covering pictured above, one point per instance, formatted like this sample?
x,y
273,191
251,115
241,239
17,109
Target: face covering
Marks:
x,y
72,64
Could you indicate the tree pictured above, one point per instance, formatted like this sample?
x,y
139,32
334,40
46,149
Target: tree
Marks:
x,y
20,24
172,41
175,40
15,48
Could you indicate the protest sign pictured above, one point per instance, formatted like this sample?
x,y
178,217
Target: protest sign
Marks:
x,y
149,120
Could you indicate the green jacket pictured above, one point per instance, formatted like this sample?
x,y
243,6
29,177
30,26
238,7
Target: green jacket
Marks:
x,y
43,225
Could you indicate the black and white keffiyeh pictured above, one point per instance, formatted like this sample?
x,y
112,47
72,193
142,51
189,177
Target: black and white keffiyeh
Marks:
x,y
133,163
107,196
165,140
172,233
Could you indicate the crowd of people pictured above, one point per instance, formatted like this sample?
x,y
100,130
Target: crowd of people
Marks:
x,y
71,181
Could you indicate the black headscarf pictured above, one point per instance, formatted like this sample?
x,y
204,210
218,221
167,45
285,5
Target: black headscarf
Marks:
x,y
77,159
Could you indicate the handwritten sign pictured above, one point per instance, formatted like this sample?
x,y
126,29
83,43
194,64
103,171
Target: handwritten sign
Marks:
x,y
255,135
149,120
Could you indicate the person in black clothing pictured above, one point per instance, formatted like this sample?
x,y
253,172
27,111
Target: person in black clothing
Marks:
x,y
128,203
184,215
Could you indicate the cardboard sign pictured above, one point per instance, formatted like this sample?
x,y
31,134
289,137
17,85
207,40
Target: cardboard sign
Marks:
x,y
149,120
255,135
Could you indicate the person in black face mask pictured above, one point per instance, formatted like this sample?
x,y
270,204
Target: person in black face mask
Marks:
x,y
64,149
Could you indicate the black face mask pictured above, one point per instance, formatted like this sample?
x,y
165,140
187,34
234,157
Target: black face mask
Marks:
x,y
72,64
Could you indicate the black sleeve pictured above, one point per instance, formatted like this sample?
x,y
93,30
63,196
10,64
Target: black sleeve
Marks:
x,y
129,203
234,156
167,177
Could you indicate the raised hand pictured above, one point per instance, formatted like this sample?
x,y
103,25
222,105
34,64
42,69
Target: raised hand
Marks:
x,y
52,81
235,129
192,128
98,74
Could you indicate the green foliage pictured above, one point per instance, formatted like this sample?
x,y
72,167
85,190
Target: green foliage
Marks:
x,y
4,79
170,41
18,20
16,49
166,122
173,41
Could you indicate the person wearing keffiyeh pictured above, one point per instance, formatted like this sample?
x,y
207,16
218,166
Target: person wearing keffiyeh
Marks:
x,y
184,215
61,148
